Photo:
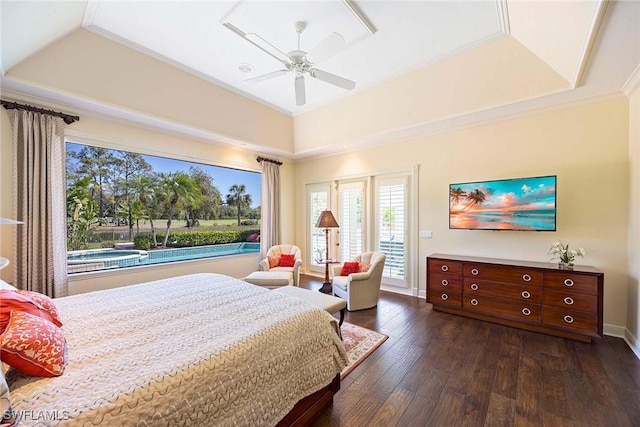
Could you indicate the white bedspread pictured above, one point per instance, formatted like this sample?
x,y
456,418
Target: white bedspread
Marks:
x,y
202,350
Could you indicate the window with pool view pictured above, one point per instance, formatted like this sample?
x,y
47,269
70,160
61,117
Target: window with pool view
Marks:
x,y
127,209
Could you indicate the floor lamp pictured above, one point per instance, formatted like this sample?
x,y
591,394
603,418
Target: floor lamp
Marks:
x,y
327,221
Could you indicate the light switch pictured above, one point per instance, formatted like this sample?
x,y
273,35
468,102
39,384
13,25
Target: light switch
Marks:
x,y
426,234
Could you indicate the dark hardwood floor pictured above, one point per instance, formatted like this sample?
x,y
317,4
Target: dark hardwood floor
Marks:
x,y
438,369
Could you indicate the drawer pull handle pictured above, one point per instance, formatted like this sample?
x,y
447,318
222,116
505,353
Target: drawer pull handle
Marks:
x,y
568,319
474,271
444,297
526,311
445,282
474,301
568,300
444,268
474,287
526,294
526,278
568,282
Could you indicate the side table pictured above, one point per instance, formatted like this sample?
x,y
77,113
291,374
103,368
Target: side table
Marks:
x,y
326,285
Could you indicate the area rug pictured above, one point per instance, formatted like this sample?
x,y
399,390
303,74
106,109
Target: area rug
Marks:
x,y
359,343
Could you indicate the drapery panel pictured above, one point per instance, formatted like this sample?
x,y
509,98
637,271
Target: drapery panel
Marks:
x,y
270,222
39,201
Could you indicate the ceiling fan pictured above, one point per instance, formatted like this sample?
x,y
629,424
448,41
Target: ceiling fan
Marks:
x,y
299,61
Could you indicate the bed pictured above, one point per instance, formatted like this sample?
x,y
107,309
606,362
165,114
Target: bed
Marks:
x,y
202,349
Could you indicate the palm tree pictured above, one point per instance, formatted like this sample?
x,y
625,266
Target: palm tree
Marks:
x,y
455,196
145,187
476,197
179,189
237,197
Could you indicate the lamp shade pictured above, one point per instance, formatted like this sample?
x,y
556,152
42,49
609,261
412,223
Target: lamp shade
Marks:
x,y
326,220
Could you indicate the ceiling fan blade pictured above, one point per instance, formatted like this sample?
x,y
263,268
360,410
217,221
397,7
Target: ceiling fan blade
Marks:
x,y
301,97
267,76
260,43
332,78
325,48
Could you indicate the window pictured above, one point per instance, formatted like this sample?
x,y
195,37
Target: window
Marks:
x,y
318,200
375,213
350,219
128,209
392,218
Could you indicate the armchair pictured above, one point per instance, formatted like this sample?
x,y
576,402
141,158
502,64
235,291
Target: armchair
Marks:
x,y
361,290
276,251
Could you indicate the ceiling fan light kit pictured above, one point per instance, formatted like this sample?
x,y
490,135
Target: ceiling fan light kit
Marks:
x,y
298,61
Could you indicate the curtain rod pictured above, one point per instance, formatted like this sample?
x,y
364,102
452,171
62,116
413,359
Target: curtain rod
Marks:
x,y
264,159
68,119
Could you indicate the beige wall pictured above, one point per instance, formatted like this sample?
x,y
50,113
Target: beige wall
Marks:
x,y
633,294
586,146
120,136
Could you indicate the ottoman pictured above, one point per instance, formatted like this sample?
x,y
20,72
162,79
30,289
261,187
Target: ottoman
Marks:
x,y
270,279
327,302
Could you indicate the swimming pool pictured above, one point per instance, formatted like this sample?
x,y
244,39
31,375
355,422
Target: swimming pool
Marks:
x,y
102,259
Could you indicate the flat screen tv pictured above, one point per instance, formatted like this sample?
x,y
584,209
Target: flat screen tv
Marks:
x,y
523,204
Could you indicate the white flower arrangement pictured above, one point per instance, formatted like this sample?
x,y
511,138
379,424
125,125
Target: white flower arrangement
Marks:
x,y
565,255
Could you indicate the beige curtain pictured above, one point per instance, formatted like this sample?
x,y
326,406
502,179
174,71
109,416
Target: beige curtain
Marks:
x,y
270,219
39,201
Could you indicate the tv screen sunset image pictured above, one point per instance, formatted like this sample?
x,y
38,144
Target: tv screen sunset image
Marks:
x,y
513,204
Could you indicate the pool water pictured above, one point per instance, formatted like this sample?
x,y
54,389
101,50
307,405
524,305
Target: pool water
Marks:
x,y
114,258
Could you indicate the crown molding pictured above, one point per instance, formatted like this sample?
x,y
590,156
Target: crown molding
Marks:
x,y
632,82
596,24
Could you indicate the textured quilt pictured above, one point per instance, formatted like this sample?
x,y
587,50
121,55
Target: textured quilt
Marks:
x,y
202,349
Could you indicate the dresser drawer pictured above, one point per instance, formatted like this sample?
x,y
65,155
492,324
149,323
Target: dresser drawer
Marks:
x,y
570,319
437,265
498,273
503,290
571,300
443,282
497,307
572,281
446,297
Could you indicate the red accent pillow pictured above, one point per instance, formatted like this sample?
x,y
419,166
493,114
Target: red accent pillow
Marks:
x,y
287,260
364,268
13,301
350,267
45,303
33,345
274,261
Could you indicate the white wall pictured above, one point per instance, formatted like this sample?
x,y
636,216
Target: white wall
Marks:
x,y
586,146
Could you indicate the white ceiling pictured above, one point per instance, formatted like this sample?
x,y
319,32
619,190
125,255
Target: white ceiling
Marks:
x,y
189,34
592,44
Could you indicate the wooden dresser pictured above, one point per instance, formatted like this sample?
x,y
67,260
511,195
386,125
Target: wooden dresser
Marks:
x,y
535,296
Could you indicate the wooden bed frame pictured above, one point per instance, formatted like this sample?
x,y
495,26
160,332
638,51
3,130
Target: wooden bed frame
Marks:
x,y
309,409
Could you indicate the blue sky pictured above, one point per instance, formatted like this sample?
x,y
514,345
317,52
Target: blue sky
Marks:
x,y
223,178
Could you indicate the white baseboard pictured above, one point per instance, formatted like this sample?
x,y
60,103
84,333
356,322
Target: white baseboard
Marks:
x,y
633,342
614,331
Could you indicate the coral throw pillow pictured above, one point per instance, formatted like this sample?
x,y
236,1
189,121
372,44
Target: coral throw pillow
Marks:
x,y
45,303
33,345
287,260
364,268
274,261
350,267
13,301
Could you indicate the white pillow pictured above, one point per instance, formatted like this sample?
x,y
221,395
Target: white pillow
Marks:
x,y
5,285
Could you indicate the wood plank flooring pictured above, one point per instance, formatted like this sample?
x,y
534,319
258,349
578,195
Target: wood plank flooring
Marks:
x,y
438,369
